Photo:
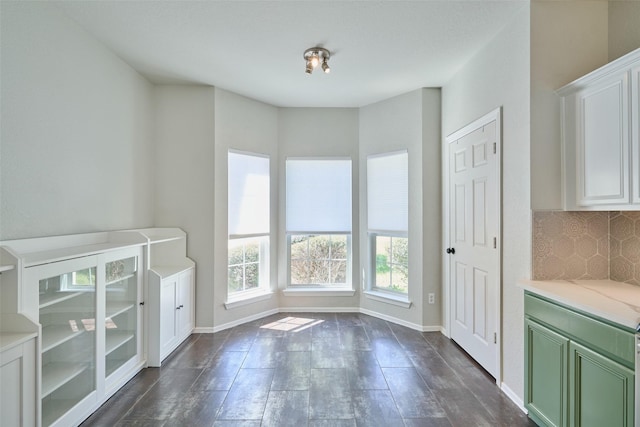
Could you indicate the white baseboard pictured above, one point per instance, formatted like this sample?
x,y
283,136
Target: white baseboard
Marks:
x,y
514,397
400,322
410,325
244,320
318,309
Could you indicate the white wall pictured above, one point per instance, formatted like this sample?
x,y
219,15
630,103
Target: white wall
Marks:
x,y
76,130
498,75
184,178
568,40
247,125
317,132
412,122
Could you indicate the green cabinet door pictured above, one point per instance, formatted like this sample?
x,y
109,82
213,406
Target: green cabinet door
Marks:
x,y
546,393
602,390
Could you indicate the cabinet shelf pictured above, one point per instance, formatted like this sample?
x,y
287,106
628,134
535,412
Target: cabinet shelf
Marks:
x,y
54,335
121,279
118,308
54,298
116,339
57,374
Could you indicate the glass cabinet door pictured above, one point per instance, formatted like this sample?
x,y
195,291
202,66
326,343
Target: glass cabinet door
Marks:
x,y
67,309
121,322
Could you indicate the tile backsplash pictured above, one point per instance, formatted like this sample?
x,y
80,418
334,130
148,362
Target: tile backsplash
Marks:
x,y
586,245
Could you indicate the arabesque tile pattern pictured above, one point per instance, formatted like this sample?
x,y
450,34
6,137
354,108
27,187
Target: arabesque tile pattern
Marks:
x,y
586,245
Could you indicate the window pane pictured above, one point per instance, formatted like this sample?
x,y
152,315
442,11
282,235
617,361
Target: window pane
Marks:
x,y
399,278
339,247
236,255
319,247
299,247
338,272
235,278
318,260
391,263
252,275
300,272
400,251
245,263
252,251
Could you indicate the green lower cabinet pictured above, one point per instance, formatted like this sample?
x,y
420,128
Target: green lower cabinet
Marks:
x,y
602,392
546,393
579,369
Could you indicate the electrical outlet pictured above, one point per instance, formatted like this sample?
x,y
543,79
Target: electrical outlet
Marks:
x,y
432,298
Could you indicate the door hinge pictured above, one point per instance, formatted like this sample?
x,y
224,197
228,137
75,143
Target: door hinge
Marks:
x,y
495,338
495,243
494,148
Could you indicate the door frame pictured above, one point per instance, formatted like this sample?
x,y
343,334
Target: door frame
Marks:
x,y
446,285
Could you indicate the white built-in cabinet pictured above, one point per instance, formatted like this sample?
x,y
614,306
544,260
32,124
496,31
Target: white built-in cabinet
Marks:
x,y
600,138
80,313
171,277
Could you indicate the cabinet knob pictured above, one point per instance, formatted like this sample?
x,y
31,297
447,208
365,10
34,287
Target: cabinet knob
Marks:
x,y
141,303
451,251
179,307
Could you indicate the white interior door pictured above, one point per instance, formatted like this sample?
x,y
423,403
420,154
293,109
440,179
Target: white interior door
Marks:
x,y
473,254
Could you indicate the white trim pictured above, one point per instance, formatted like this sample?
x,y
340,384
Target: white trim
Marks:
x,y
319,310
400,322
388,298
242,321
446,289
513,396
414,326
248,299
318,292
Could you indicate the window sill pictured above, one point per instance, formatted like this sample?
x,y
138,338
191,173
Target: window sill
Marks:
x,y
247,299
399,300
318,292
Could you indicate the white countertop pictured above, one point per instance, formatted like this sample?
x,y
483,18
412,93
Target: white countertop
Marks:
x,y
615,301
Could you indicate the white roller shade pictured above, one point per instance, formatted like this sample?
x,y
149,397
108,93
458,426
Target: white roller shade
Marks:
x,y
318,195
248,197
388,192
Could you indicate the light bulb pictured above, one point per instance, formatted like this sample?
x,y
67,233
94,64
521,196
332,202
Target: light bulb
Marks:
x,y
325,67
315,60
309,68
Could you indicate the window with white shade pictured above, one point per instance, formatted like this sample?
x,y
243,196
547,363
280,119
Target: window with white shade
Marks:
x,y
318,222
388,221
248,223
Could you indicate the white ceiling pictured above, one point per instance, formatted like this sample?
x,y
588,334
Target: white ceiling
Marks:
x,y
379,48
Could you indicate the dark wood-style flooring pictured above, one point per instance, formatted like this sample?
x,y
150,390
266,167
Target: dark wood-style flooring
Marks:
x,y
313,369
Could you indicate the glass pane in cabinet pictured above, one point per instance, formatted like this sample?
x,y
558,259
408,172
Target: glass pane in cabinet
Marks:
x,y
67,316
121,321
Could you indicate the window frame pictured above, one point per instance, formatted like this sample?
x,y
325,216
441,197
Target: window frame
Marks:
x,y
348,285
371,290
264,261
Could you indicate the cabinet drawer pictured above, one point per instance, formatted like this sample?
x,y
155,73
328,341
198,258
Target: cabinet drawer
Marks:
x,y
612,341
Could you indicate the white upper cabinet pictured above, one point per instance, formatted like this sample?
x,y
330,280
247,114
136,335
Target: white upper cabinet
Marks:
x,y
600,147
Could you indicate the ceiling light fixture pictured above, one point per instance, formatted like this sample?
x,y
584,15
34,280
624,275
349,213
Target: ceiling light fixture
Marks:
x,y
314,56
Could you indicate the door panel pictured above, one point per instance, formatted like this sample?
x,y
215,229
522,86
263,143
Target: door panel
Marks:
x,y
474,224
480,304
